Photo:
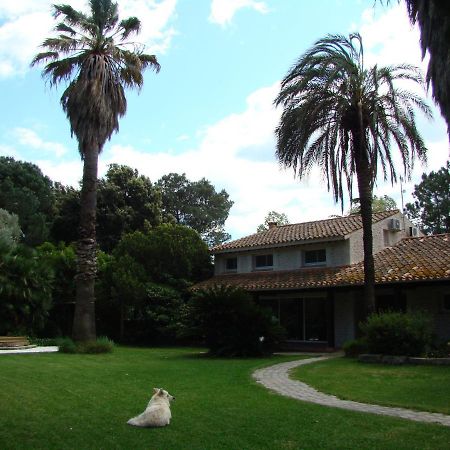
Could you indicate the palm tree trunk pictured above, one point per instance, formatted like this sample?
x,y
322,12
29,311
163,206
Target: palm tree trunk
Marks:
x,y
365,197
84,317
364,176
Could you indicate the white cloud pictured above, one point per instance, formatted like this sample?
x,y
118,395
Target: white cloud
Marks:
x,y
155,17
390,38
223,11
68,173
30,139
255,185
26,23
7,150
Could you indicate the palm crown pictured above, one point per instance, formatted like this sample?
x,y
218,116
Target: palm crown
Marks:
x,y
338,114
94,55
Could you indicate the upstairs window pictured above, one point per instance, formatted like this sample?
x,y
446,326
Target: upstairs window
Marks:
x,y
231,264
263,261
316,257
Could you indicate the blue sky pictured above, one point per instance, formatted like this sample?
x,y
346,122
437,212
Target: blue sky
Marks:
x,y
209,112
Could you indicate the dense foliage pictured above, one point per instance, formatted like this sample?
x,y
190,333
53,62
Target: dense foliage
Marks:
x,y
396,333
143,286
10,232
126,202
197,205
430,210
26,284
231,323
25,191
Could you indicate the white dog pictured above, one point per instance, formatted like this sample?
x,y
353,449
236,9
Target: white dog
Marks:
x,y
157,413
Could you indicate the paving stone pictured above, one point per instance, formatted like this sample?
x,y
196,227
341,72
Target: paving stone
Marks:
x,y
276,378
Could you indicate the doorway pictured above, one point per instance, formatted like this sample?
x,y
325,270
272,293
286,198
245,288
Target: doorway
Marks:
x,y
304,318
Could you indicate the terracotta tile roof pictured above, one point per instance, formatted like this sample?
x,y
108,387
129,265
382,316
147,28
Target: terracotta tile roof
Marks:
x,y
412,259
336,228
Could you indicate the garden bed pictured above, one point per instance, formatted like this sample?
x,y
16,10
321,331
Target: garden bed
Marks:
x,y
399,360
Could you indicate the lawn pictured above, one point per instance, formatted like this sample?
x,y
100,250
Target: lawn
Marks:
x,y
59,401
424,388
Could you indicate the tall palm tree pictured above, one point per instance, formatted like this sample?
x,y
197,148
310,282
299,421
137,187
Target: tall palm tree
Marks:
x,y
93,55
433,17
345,118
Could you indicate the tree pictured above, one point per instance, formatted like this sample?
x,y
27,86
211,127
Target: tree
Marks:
x,y
343,116
197,205
25,191
379,204
127,202
25,291
433,17
273,217
67,215
92,53
155,267
431,209
10,232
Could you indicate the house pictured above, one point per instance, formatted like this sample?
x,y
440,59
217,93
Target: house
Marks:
x,y
311,274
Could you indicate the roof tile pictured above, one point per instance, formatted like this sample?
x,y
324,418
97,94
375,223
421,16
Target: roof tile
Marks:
x,y
412,259
334,228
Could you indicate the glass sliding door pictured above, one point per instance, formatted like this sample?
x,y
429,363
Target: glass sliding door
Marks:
x,y
305,319
315,319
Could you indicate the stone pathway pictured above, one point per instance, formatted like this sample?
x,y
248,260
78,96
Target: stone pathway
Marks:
x,y
30,350
277,379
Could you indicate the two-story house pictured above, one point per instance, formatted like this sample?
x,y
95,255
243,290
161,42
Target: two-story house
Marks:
x,y
311,274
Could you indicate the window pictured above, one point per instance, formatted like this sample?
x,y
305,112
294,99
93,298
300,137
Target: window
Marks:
x,y
315,257
263,261
231,264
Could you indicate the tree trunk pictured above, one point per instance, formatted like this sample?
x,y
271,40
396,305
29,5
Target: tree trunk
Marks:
x,y
364,175
84,317
365,196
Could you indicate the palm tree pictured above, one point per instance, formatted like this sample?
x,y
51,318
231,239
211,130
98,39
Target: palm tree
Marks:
x,y
92,54
345,118
433,17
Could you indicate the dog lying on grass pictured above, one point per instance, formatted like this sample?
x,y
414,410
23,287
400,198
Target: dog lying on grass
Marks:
x,y
157,413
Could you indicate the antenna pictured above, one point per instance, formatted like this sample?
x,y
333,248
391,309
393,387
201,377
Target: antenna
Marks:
x,y
403,207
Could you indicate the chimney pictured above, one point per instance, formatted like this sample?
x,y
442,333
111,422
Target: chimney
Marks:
x,y
272,225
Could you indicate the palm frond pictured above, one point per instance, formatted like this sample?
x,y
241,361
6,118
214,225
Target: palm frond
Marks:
x,y
129,26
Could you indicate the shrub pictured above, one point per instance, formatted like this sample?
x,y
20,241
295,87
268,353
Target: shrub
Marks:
x,y
396,333
231,324
101,345
355,347
66,345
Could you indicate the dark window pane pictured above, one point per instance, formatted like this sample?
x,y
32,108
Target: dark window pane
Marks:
x,y
263,260
231,263
315,256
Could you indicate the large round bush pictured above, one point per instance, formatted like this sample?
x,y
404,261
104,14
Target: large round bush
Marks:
x,y
396,333
232,324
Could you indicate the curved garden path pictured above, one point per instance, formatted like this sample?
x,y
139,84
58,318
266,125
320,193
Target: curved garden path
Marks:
x,y
277,379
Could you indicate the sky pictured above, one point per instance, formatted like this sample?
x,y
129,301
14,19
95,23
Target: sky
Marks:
x,y
209,112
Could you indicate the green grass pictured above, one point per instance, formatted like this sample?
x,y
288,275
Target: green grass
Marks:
x,y
60,401
424,388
